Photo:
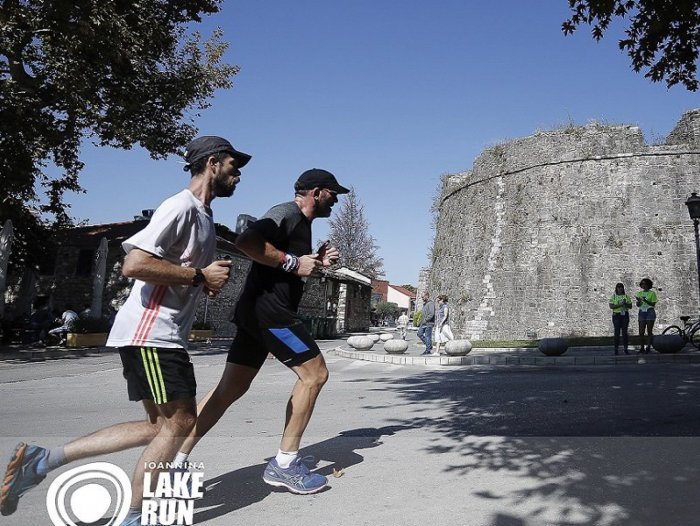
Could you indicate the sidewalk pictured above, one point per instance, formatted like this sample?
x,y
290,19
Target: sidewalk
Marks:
x,y
581,356
577,356
27,352
24,352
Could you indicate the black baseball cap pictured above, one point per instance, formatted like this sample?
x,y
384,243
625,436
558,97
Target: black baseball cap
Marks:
x,y
210,144
317,178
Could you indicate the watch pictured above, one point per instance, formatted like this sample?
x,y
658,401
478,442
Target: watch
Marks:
x,y
198,278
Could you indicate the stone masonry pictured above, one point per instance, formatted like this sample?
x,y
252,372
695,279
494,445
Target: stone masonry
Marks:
x,y
531,241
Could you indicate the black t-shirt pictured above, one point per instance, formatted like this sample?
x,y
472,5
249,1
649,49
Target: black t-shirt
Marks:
x,y
271,296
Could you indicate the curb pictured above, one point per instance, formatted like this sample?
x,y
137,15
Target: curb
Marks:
x,y
404,359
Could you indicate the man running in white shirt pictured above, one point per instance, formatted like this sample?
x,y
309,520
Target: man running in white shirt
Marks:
x,y
172,262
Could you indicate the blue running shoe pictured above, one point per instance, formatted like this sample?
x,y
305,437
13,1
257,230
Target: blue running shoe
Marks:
x,y
296,478
133,521
21,475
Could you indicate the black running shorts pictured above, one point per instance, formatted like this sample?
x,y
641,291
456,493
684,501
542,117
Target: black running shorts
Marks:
x,y
161,375
290,345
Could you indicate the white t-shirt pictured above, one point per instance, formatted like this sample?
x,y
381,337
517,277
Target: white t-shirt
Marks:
x,y
181,231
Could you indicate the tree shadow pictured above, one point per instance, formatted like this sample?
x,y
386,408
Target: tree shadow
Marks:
x,y
609,447
240,488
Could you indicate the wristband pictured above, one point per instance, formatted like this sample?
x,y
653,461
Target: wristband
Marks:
x,y
291,263
198,277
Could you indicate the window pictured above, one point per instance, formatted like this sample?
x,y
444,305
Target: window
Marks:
x,y
85,259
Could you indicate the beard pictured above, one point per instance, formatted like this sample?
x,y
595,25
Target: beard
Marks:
x,y
221,189
323,210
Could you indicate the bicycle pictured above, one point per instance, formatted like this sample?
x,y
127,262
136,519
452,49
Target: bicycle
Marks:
x,y
690,332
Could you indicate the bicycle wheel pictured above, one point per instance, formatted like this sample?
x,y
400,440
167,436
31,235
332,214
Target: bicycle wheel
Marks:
x,y
674,329
695,337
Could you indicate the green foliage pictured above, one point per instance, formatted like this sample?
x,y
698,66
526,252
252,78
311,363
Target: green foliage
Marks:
x,y
388,309
86,325
417,318
662,36
411,288
119,72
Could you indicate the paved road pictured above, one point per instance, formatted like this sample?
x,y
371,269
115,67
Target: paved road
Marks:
x,y
480,445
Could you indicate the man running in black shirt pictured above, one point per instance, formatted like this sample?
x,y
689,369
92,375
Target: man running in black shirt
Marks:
x,y
266,316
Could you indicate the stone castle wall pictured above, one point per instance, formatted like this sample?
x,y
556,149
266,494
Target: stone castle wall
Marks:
x,y
531,241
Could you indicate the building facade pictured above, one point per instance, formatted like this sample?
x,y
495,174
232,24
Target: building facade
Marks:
x,y
341,298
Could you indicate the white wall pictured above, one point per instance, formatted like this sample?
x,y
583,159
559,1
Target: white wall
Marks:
x,y
394,296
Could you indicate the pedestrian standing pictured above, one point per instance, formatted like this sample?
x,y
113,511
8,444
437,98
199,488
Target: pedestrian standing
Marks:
x,y
443,332
427,324
267,320
172,262
646,301
620,303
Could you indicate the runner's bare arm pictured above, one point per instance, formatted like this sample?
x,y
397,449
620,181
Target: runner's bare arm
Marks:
x,y
148,267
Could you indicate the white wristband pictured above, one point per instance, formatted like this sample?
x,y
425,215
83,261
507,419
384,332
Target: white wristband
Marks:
x,y
291,263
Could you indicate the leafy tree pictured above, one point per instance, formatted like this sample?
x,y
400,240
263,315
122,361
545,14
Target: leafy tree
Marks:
x,y
663,35
117,72
388,310
349,232
410,288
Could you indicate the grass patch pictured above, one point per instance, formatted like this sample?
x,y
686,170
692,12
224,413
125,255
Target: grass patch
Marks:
x,y
490,344
574,341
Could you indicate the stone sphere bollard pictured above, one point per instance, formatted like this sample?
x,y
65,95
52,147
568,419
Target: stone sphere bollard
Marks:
x,y
385,337
668,343
363,343
458,347
553,346
352,339
395,346
374,337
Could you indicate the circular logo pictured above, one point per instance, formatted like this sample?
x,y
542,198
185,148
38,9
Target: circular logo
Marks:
x,y
88,494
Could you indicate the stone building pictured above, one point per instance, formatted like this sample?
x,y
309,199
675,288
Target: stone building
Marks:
x,y
341,297
531,241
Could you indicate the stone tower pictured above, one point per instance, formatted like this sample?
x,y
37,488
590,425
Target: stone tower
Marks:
x,y
531,241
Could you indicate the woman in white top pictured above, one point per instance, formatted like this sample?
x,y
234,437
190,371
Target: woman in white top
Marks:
x,y
442,327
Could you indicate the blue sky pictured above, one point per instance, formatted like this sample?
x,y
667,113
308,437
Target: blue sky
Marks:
x,y
388,95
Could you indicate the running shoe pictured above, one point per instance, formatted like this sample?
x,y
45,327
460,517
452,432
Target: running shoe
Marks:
x,y
296,478
21,475
133,521
183,469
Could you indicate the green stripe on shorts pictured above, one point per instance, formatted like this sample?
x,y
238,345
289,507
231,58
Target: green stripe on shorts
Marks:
x,y
160,375
150,374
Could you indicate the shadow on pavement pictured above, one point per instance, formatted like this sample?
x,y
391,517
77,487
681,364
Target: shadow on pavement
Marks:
x,y
614,447
243,487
